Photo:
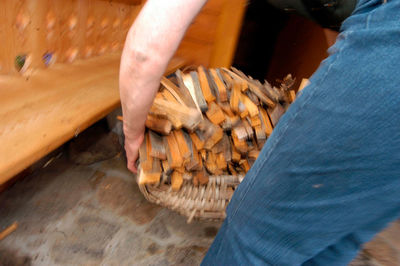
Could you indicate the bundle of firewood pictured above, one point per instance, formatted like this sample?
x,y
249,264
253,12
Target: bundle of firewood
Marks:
x,y
208,122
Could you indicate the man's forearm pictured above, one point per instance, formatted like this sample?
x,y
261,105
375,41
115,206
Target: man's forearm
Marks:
x,y
150,44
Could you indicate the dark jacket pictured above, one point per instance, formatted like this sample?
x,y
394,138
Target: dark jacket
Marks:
x,y
328,13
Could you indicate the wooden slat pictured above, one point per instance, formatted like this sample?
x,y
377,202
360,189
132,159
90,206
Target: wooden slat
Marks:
x,y
39,114
198,92
172,150
215,114
265,122
157,146
178,114
183,146
223,96
176,181
205,86
162,126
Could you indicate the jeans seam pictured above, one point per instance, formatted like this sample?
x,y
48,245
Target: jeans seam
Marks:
x,y
284,130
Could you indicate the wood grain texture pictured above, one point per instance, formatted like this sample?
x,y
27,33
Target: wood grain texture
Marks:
x,y
41,112
212,37
228,29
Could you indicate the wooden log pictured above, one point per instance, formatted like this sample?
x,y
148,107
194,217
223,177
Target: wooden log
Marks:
x,y
226,144
249,129
205,86
151,176
244,87
195,162
146,161
159,112
235,97
159,125
304,83
8,230
173,89
198,92
201,178
183,91
243,112
226,108
188,176
221,161
188,81
220,86
166,167
219,74
292,96
245,165
255,121
189,117
240,132
230,122
287,83
172,150
213,86
227,78
254,88
252,144
253,98
183,146
232,170
167,95
150,167
203,154
253,154
276,114
240,145
211,164
180,169
260,134
215,114
198,139
214,137
176,181
157,148
250,106
273,94
265,122
235,155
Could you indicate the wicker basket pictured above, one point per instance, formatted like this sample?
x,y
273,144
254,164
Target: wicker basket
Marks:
x,y
203,202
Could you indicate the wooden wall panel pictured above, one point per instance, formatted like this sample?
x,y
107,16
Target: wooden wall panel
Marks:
x,y
203,28
36,36
211,39
228,30
213,7
195,52
14,20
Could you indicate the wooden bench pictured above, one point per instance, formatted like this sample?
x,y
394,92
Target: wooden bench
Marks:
x,y
59,67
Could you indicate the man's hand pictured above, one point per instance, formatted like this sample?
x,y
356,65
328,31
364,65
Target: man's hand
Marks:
x,y
132,146
150,44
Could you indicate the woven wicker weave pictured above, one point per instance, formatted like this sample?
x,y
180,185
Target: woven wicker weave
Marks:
x,y
203,202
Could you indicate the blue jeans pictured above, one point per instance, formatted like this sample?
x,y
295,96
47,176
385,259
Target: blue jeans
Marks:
x,y
328,178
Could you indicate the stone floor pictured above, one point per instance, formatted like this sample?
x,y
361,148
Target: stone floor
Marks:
x,y
94,214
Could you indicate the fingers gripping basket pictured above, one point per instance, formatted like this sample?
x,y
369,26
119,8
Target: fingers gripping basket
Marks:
x,y
204,132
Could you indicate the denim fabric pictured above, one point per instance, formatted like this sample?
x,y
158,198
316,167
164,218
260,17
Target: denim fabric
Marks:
x,y
328,178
